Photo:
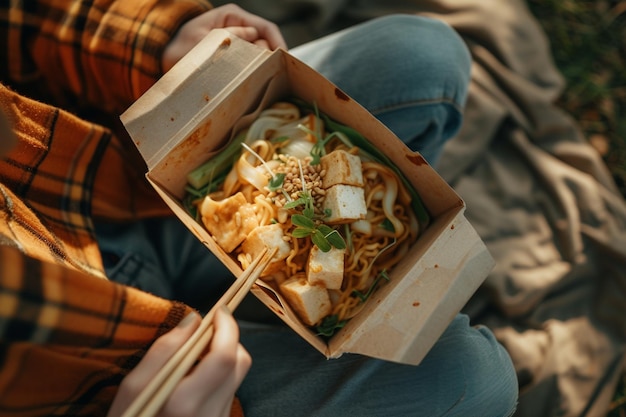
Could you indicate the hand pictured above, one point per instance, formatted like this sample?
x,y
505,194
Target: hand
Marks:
x,y
231,17
209,388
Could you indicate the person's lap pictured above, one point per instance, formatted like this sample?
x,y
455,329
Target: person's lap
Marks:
x,y
467,373
466,367
412,73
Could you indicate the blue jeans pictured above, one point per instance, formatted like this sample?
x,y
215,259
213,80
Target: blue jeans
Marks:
x,y
412,73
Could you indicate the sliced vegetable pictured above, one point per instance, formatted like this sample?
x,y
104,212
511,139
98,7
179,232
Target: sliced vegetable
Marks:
x,y
221,162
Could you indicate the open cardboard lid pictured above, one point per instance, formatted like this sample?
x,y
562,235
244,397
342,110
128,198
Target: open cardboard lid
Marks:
x,y
172,108
219,86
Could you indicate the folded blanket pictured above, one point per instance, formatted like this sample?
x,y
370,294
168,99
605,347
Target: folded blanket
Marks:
x,y
538,194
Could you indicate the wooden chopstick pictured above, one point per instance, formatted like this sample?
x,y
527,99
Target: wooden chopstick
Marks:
x,y
160,387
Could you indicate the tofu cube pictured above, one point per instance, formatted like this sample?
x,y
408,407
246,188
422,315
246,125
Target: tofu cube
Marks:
x,y
270,236
346,204
326,268
310,302
229,221
342,168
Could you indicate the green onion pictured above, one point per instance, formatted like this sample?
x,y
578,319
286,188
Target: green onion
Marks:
x,y
206,172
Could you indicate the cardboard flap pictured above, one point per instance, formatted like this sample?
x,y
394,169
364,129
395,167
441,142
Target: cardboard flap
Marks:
x,y
215,91
409,315
168,111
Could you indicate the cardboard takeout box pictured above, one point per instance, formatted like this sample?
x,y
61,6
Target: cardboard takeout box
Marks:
x,y
215,91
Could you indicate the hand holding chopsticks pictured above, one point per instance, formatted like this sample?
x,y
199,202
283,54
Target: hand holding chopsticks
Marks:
x,y
158,390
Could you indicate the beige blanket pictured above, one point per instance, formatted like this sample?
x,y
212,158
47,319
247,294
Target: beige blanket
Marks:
x,y
537,193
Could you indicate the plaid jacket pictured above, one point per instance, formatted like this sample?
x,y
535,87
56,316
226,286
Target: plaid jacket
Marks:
x,y
67,334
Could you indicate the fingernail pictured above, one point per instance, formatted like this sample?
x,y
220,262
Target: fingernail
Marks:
x,y
189,319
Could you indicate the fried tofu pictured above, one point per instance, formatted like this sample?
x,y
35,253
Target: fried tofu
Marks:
x,y
326,268
346,203
270,236
310,302
343,183
341,168
229,221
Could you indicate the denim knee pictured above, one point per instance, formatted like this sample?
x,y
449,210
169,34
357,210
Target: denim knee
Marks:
x,y
411,72
417,59
488,378
430,72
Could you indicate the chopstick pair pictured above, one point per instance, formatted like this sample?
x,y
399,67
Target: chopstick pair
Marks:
x,y
158,390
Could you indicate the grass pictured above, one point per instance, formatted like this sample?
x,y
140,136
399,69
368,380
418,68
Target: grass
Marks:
x,y
588,43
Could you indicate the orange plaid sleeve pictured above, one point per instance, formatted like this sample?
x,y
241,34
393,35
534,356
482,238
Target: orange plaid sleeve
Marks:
x,y
47,182
67,335
100,53
95,58
67,339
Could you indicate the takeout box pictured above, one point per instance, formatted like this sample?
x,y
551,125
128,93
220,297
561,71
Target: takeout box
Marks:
x,y
219,88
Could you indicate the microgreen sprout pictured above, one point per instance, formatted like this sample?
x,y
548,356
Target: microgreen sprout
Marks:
x,y
348,233
276,182
257,156
319,148
323,236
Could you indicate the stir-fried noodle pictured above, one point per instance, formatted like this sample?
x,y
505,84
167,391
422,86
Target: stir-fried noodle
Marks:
x,y
279,173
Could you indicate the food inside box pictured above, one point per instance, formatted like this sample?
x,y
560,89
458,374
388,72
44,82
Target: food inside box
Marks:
x,y
339,213
392,268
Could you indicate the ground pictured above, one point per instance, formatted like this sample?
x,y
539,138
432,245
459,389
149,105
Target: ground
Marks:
x,y
588,40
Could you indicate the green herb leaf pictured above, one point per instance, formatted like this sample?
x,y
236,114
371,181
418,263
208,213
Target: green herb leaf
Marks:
x,y
317,151
302,221
276,182
294,203
301,232
320,241
332,236
329,325
308,211
325,229
336,240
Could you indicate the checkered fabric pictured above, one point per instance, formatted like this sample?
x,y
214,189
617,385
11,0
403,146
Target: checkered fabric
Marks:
x,y
68,335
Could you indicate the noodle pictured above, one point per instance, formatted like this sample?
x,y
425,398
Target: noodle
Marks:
x,y
280,186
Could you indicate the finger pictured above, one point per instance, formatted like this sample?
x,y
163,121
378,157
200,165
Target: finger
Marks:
x,y
262,43
222,398
233,15
222,357
154,359
267,31
213,383
247,33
